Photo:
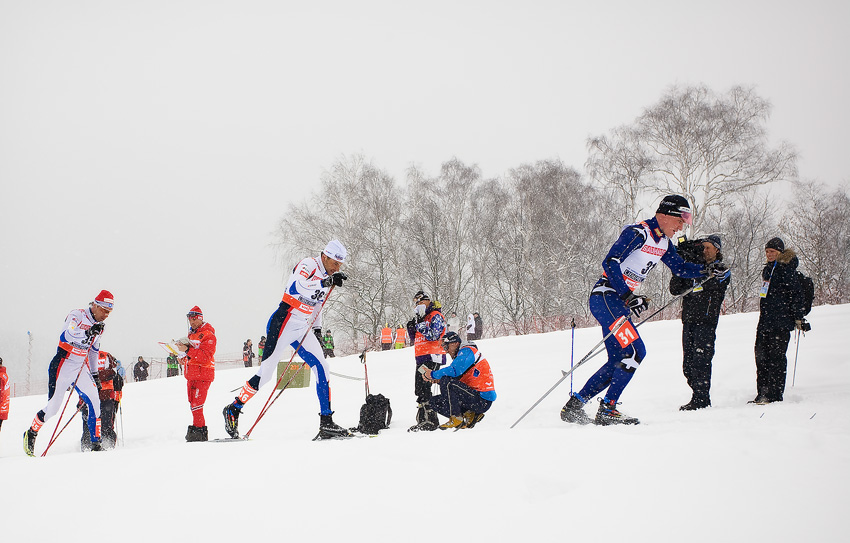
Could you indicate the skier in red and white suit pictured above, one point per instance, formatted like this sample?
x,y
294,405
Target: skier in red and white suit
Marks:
x,y
76,362
310,282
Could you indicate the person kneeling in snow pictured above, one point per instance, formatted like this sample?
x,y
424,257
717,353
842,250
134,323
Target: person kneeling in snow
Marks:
x,y
466,385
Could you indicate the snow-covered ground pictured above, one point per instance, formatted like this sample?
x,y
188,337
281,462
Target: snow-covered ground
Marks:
x,y
734,472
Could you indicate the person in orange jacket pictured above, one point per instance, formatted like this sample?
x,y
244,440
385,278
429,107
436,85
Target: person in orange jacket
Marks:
x,y
197,354
4,393
386,338
400,335
107,375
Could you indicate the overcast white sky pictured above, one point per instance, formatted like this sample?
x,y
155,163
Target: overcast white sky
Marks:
x,y
150,147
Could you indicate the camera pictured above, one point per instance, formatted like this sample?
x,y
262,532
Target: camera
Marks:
x,y
690,250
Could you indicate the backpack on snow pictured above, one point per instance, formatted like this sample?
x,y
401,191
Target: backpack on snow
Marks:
x,y
375,414
808,288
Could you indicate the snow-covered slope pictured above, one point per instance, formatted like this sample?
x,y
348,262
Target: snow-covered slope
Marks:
x,y
734,472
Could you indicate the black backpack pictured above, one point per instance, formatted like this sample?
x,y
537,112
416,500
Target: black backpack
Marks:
x,y
375,414
808,288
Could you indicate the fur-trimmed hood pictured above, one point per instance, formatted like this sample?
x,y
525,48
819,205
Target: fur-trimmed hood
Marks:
x,y
788,257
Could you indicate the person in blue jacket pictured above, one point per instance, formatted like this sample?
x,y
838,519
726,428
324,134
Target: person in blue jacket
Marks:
x,y
636,252
466,385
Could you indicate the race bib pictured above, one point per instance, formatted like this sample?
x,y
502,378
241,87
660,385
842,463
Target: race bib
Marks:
x,y
625,332
764,287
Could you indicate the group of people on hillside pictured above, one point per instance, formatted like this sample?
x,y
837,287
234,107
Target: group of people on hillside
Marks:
x,y
466,385
702,280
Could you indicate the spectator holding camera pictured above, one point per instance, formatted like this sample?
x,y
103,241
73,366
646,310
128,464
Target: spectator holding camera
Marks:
x,y
700,314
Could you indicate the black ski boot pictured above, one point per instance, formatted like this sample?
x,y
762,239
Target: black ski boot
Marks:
x,y
29,442
96,446
328,429
231,419
608,414
573,411
196,433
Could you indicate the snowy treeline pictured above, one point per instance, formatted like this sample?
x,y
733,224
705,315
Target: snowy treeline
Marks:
x,y
523,249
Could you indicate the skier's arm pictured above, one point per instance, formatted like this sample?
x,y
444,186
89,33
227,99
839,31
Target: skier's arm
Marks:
x,y
673,260
630,240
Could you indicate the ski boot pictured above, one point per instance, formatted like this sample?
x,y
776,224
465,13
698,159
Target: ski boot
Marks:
x,y
96,446
453,422
608,414
29,442
231,420
328,429
573,411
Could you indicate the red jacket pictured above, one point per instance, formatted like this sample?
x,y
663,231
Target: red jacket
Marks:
x,y
200,358
4,394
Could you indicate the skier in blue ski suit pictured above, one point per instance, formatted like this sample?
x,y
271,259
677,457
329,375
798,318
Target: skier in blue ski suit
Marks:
x,y
635,253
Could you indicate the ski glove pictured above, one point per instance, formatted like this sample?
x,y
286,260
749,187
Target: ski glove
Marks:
x,y
718,270
318,332
636,303
802,325
336,280
96,378
97,328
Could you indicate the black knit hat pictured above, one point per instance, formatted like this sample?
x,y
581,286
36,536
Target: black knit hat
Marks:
x,y
775,243
714,239
676,206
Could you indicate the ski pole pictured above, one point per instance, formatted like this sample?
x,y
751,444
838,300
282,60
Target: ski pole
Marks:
x,y
365,371
121,416
572,350
55,435
269,401
617,324
796,354
593,352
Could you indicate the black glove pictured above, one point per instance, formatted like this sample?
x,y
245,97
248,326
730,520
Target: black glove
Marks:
x,y
96,378
636,303
802,325
718,270
97,328
336,280
318,332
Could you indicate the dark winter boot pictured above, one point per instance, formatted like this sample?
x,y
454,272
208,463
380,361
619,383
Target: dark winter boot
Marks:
x,y
426,420
231,419
196,433
573,411
608,414
695,404
96,446
29,442
328,429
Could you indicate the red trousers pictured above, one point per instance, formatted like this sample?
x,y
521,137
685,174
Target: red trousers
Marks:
x,y
197,396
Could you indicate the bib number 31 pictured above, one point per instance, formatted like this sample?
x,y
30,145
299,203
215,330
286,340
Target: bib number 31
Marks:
x,y
624,331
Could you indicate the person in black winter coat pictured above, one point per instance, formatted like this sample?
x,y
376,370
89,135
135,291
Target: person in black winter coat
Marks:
x,y
700,313
781,307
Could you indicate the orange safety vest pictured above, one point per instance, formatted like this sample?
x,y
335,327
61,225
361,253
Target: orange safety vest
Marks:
x,y
399,335
422,346
386,335
478,376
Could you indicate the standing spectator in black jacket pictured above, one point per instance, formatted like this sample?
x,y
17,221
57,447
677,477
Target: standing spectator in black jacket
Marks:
x,y
248,353
479,326
140,370
781,309
700,313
